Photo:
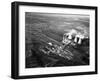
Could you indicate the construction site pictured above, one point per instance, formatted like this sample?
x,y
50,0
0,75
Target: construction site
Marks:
x,y
54,41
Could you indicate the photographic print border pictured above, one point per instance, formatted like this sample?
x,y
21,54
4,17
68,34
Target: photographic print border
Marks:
x,y
15,39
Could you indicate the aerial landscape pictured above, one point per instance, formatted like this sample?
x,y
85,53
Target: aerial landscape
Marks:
x,y
56,40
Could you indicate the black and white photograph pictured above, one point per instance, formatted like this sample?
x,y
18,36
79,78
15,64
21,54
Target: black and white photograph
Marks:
x,y
54,40
51,40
